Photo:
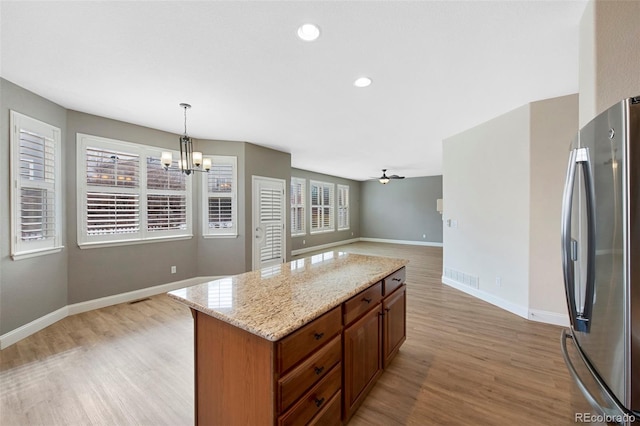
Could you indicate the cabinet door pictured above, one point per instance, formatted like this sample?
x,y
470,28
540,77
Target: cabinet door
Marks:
x,y
395,330
362,358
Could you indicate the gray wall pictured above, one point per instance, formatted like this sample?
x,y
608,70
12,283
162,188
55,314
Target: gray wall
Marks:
x,y
309,240
222,255
29,288
402,209
32,288
105,271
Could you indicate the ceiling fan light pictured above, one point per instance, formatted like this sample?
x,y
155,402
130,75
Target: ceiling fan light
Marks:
x,y
383,180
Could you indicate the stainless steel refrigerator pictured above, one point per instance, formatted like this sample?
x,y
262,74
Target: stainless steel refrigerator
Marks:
x,y
601,261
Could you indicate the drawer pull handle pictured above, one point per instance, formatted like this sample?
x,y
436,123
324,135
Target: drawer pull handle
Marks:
x,y
318,370
396,279
364,299
318,336
319,402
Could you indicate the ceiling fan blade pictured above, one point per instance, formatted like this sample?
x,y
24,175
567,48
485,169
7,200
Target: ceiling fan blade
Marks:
x,y
396,177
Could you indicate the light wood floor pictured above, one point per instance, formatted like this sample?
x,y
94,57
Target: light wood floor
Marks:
x,y
464,362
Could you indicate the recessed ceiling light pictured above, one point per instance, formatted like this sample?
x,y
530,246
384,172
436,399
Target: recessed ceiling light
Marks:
x,y
362,82
308,32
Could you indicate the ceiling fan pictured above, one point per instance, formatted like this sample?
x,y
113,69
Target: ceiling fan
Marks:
x,y
384,179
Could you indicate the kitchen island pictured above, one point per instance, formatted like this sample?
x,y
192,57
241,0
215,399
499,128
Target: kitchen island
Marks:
x,y
297,343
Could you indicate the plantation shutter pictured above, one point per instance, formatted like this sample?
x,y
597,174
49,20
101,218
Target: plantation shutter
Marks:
x,y
298,226
322,196
126,195
37,187
112,197
271,218
36,195
343,207
220,194
166,197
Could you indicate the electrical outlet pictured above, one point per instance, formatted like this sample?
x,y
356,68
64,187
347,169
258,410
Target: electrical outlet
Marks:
x,y
499,282
304,242
173,269
424,235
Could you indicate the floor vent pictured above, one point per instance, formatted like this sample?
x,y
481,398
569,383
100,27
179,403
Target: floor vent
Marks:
x,y
139,300
461,278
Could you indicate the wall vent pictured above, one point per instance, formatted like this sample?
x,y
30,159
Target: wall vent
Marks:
x,y
462,278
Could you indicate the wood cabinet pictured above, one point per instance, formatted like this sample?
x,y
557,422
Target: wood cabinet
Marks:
x,y
375,328
297,345
394,324
361,303
362,358
319,374
309,368
310,405
292,385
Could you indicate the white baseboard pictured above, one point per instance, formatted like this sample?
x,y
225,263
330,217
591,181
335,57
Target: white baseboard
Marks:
x,y
324,246
38,324
129,296
371,240
34,326
407,242
549,317
546,317
514,308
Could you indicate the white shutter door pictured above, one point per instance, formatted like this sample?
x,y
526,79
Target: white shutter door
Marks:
x,y
269,218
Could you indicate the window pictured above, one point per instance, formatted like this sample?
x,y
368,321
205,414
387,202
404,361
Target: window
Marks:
x,y
219,196
322,207
36,192
125,195
343,207
297,206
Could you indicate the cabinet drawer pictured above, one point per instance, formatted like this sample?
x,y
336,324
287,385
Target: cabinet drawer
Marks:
x,y
394,281
305,375
296,346
362,302
330,414
315,400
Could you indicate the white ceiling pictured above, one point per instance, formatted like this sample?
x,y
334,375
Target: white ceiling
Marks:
x,y
438,68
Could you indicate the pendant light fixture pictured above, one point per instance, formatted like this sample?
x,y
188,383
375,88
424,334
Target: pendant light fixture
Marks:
x,y
190,160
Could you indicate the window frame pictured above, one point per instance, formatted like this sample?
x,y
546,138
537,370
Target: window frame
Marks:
x,y
343,193
25,249
302,230
208,232
144,235
331,227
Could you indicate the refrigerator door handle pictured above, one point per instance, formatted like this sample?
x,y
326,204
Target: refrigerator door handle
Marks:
x,y
576,378
585,162
567,261
580,320
616,409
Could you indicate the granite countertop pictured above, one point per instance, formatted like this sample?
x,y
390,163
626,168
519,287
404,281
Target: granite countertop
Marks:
x,y
275,301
